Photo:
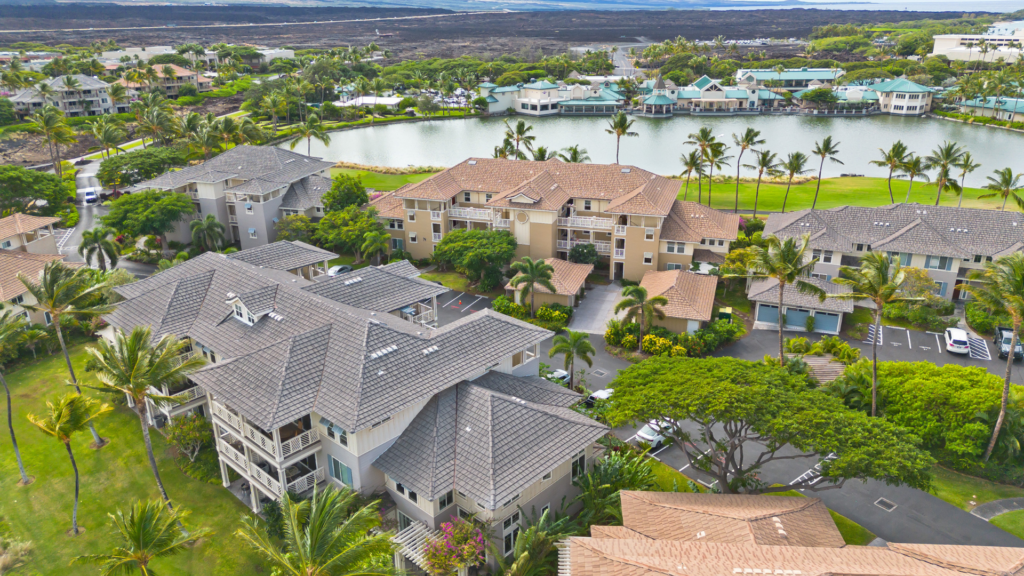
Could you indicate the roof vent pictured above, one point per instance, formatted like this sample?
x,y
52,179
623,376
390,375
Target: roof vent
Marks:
x,y
1014,223
429,350
351,281
383,351
231,295
276,316
472,162
625,170
701,534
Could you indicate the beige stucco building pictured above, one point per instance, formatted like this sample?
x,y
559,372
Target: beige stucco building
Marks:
x,y
568,279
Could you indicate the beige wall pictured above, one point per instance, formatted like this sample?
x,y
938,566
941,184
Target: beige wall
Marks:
x,y
678,325
665,259
636,245
541,298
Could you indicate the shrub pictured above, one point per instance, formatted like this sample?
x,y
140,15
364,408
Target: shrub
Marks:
x,y
504,305
583,254
460,544
677,351
188,90
809,323
656,345
628,342
68,217
567,310
797,345
190,100
551,315
982,321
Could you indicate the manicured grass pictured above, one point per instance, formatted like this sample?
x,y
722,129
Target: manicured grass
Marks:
x,y
348,259
960,489
853,534
110,478
1012,522
458,282
834,192
598,279
669,477
379,181
734,297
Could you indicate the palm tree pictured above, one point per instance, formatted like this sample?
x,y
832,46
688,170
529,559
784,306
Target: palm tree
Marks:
x,y
574,155
893,158
135,367
532,273
913,167
692,163
783,260
63,291
147,532
322,538
375,245
308,130
11,326
520,134
749,139
204,140
1006,184
715,157
619,125
944,158
880,280
108,132
535,551
274,103
99,244
66,416
207,233
702,139
966,166
825,149
542,154
575,345
32,338
767,161
638,306
999,287
53,126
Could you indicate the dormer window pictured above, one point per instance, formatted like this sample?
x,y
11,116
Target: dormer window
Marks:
x,y
243,314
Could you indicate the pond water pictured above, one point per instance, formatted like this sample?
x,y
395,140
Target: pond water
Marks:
x,y
660,141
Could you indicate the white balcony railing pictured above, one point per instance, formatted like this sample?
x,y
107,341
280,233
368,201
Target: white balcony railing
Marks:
x,y
603,247
502,222
306,482
260,439
229,196
598,245
221,411
194,194
620,230
437,236
428,316
304,440
435,215
233,218
229,452
181,358
263,478
471,213
620,253
186,396
586,222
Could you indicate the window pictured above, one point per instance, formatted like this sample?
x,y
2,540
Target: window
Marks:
x,y
403,521
903,257
397,244
579,464
586,205
941,289
648,257
339,471
464,514
19,299
48,318
825,277
510,531
252,232
319,209
673,266
248,208
375,424
466,196
545,477
649,234
399,488
510,500
239,313
721,242
938,263
6,245
860,247
412,496
445,500
249,318
703,241
524,106
545,508
411,216
412,237
335,433
396,224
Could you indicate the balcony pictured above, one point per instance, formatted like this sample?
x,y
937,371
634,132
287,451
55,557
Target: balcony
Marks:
x,y
230,418
604,247
418,312
502,222
620,253
292,438
306,482
299,443
426,317
471,213
264,477
620,230
194,194
586,222
182,358
233,454
229,196
233,218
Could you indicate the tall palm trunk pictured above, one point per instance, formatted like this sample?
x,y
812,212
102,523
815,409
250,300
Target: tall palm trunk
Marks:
x,y
782,359
532,292
141,408
874,358
711,175
640,340
1001,208
74,511
74,382
10,424
786,197
909,188
686,191
818,188
700,189
757,193
736,203
1006,393
617,139
890,185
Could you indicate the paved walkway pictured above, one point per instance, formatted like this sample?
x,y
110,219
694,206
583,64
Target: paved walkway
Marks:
x,y
990,510
596,308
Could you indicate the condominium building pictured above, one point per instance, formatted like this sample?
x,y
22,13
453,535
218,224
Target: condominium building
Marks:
x,y
901,97
145,53
791,77
27,245
1002,41
172,83
28,233
88,97
630,215
1000,108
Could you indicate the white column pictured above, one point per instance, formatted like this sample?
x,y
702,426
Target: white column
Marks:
x,y
399,561
277,442
223,473
254,499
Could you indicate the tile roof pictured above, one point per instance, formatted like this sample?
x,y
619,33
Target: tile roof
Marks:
x,y
306,193
541,85
658,100
18,223
1015,105
913,228
704,255
401,268
371,366
691,222
377,289
568,277
388,205
899,85
15,262
767,290
690,296
264,168
486,442
283,255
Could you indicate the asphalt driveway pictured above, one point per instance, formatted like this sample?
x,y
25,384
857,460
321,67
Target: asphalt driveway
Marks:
x,y
595,309
453,305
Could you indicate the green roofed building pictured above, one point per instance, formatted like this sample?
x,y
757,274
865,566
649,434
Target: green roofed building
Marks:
x,y
901,97
1011,109
791,77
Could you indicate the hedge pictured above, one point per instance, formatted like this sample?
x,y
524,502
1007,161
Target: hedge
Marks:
x,y
984,121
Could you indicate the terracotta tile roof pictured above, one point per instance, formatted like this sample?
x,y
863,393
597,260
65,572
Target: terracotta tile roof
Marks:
x,y
690,296
702,255
568,277
690,221
14,262
615,532
20,223
388,205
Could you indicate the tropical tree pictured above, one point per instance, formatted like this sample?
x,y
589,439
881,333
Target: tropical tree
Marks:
x,y
519,134
53,126
32,338
321,538
966,166
66,416
999,287
693,163
702,139
747,140
944,158
892,158
574,345
207,233
795,165
532,273
641,309
1006,184
535,551
375,245
147,532
766,163
108,132
99,244
274,103
826,149
574,155
11,326
913,167
308,130
63,291
133,366
880,280
619,126
715,157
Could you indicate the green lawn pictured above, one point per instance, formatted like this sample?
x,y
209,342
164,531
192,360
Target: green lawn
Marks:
x,y
348,259
111,478
668,477
1012,522
379,181
834,192
734,298
960,489
459,283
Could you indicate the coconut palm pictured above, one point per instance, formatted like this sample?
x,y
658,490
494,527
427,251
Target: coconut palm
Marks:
x,y
1006,184
11,326
574,155
207,233
892,158
135,367
507,150
913,167
375,245
767,162
53,126
108,132
693,163
641,309
945,158
520,134
99,244
785,262
702,139
66,416
542,154
999,287
147,531
274,103
880,280
748,140
32,338
826,149
715,157
321,537
619,126
574,345
60,292
308,130
966,166
532,273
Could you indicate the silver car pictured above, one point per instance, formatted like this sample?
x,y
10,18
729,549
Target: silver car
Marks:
x,y
654,433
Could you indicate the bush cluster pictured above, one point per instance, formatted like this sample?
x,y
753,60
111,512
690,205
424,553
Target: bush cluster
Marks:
x,y
982,321
833,345
927,315
554,317
661,340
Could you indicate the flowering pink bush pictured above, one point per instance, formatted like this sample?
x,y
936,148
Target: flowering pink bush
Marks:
x,y
460,544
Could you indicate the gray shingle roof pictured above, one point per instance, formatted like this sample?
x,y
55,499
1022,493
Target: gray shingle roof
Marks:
x,y
374,365
375,289
499,444
913,228
264,168
767,290
401,268
283,255
306,193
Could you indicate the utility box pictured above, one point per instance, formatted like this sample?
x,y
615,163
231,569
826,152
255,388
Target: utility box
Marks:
x,y
725,314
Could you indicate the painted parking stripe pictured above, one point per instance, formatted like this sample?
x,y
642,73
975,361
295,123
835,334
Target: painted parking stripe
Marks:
x,y
470,305
909,345
979,348
871,336
452,300
938,343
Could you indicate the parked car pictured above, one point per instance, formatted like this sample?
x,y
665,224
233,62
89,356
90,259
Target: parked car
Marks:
x,y
1003,339
599,395
339,270
956,341
90,197
560,376
653,433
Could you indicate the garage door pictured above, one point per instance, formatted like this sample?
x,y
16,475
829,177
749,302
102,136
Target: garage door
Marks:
x,y
826,322
797,317
767,313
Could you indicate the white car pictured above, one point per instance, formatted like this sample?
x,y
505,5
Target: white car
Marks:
x,y
654,433
599,395
559,376
956,341
339,270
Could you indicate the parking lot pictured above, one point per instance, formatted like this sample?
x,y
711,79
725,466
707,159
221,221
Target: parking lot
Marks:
x,y
453,305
